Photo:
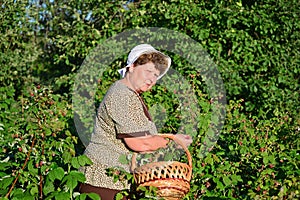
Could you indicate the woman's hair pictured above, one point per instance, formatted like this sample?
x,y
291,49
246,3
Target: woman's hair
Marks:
x,y
159,61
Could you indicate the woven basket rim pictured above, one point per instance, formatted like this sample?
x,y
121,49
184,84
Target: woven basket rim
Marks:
x,y
149,165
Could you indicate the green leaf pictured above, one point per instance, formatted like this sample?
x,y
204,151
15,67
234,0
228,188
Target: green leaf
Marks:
x,y
119,196
18,192
4,165
34,190
208,159
265,159
48,187
71,183
48,132
5,182
220,185
94,196
78,175
123,159
168,156
75,162
81,196
32,169
57,173
24,197
62,196
73,178
67,156
84,160
226,180
235,179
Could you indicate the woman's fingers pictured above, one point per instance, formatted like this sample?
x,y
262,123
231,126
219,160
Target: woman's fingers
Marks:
x,y
185,139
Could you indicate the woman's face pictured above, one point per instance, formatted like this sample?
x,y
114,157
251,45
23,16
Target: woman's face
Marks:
x,y
143,77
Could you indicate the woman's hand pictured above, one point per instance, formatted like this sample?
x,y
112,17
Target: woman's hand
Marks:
x,y
185,139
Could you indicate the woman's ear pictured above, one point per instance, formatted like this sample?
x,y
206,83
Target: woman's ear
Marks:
x,y
131,68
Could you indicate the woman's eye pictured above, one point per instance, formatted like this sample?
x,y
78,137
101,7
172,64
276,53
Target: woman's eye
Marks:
x,y
149,72
152,73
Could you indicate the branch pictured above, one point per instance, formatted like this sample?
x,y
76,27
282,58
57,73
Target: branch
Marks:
x,y
23,167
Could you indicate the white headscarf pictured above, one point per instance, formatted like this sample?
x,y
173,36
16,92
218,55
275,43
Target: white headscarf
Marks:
x,y
139,50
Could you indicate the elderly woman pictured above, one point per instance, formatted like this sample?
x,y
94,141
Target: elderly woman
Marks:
x,y
123,122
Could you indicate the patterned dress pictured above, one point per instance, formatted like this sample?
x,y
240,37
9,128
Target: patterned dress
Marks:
x,y
121,114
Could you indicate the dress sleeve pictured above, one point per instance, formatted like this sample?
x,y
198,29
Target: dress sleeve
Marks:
x,y
126,111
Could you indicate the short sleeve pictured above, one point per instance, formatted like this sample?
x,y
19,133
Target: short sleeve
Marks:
x,y
126,111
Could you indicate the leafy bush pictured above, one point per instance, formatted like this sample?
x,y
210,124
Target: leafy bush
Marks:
x,y
254,44
38,157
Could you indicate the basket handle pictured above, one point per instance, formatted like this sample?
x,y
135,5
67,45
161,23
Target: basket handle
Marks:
x,y
172,137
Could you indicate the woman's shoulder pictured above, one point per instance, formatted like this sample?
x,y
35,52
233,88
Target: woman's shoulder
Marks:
x,y
119,90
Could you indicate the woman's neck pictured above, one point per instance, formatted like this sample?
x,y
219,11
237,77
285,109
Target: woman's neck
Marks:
x,y
126,81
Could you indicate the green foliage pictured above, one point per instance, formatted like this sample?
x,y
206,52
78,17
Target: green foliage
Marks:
x,y
38,158
255,159
254,44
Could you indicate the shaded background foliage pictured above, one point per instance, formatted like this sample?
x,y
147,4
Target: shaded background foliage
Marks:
x,y
255,45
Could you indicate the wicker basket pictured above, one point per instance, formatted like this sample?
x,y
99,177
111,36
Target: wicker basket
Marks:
x,y
171,178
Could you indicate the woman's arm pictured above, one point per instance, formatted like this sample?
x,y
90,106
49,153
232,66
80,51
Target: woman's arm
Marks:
x,y
146,143
154,142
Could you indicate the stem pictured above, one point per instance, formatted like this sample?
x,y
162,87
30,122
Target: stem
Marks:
x,y
41,176
23,167
43,152
41,186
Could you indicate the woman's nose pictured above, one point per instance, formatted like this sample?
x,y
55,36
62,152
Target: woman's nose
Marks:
x,y
153,78
149,81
